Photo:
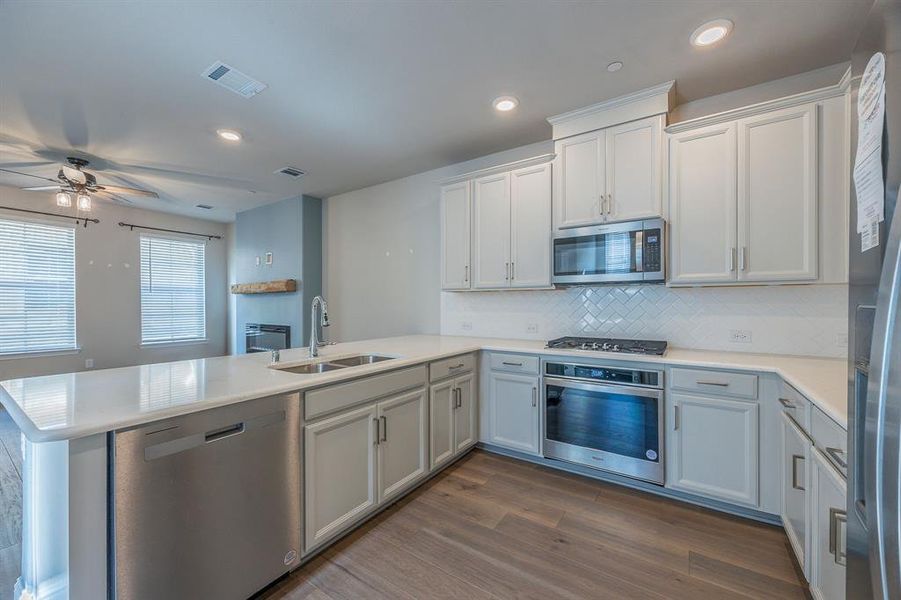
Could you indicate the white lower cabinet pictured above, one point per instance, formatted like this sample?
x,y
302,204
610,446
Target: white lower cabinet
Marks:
x,y
829,529
340,479
360,458
795,485
402,445
452,418
713,448
514,412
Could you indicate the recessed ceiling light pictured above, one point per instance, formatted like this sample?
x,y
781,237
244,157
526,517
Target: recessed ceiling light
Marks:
x,y
711,32
229,135
505,103
614,66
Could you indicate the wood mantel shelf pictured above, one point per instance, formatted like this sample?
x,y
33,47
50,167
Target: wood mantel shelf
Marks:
x,y
265,287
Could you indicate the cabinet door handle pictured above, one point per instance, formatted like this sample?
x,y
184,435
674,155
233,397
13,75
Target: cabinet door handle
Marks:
x,y
716,383
378,435
836,455
602,204
609,204
795,458
742,259
506,271
732,259
675,417
459,398
466,274
512,271
837,518
534,396
787,403
384,428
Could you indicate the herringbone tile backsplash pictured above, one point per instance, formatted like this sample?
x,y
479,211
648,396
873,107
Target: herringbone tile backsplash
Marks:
x,y
807,320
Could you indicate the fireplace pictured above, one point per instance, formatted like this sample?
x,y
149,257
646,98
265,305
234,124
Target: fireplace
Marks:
x,y
263,338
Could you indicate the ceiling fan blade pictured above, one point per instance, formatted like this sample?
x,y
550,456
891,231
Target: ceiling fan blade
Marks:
x,y
164,172
29,175
27,165
43,188
115,197
126,190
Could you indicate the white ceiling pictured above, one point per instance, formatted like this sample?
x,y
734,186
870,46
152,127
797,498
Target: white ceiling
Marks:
x,y
359,92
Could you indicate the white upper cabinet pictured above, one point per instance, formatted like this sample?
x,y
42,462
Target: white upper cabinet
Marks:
x,y
491,223
761,194
702,180
633,170
777,199
581,179
530,231
455,236
610,175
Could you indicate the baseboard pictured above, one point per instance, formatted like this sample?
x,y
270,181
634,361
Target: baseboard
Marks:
x,y
635,484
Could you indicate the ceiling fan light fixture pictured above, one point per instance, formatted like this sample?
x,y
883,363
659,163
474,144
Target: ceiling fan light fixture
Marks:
x,y
83,201
63,199
229,135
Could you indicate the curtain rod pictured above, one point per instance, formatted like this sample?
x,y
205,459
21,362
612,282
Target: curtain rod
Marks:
x,y
132,226
50,214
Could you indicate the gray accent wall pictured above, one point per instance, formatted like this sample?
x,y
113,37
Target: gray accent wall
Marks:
x,y
292,231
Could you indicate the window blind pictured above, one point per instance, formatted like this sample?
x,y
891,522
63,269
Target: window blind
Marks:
x,y
37,287
173,291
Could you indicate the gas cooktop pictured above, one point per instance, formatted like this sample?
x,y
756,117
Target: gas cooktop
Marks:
x,y
609,345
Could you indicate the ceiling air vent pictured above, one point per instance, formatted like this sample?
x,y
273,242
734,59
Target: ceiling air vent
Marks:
x,y
290,171
234,80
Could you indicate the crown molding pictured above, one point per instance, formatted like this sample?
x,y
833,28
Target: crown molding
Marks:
x,y
622,109
517,164
831,91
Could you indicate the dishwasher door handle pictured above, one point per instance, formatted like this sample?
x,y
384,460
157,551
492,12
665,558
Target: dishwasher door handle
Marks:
x,y
223,432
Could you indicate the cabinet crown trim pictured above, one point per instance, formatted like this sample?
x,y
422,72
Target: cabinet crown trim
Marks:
x,y
517,164
616,111
823,93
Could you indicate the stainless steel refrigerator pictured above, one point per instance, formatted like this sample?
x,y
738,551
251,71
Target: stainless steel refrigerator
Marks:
x,y
874,394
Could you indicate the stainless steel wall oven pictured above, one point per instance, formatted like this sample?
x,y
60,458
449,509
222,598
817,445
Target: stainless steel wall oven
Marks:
x,y
604,417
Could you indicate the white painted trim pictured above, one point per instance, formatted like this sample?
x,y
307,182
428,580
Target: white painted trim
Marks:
x,y
816,95
622,109
41,353
518,164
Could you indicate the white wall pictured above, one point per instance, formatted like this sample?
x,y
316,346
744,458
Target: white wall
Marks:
x,y
382,249
108,309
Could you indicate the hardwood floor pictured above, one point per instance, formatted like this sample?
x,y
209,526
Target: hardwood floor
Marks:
x,y
10,504
492,527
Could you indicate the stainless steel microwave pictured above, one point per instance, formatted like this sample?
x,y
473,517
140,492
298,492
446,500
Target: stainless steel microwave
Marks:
x,y
628,252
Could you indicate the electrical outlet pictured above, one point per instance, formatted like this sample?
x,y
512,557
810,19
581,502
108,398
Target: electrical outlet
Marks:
x,y
841,340
532,328
740,336
466,326
89,363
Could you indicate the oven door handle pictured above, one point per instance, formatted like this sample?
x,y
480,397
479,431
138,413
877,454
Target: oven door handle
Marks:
x,y
623,390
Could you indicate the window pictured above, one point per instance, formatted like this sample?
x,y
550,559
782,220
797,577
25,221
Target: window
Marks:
x,y
173,294
37,287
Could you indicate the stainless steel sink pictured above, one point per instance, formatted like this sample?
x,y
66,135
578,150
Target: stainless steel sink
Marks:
x,y
360,359
311,368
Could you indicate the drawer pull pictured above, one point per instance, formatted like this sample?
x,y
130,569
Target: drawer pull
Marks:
x,y
716,383
795,485
460,366
837,518
836,454
787,403
512,364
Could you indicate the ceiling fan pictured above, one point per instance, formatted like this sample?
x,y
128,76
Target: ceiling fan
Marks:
x,y
73,179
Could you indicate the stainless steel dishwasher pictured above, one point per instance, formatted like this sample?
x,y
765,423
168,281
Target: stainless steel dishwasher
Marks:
x,y
207,505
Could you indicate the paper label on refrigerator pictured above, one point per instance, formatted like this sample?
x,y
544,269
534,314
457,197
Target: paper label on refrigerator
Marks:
x,y
869,186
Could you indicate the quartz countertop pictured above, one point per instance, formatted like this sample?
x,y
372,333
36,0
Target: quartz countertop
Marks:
x,y
73,405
